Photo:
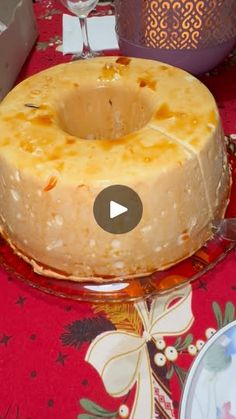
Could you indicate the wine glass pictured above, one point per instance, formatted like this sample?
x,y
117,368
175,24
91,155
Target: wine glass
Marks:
x,y
81,8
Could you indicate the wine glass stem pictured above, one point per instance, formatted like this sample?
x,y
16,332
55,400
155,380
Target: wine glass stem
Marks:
x,y
84,30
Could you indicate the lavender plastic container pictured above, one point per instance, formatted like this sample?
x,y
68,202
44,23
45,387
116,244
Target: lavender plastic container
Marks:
x,y
194,35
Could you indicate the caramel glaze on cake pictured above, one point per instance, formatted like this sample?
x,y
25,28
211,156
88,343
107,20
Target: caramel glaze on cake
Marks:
x,y
70,131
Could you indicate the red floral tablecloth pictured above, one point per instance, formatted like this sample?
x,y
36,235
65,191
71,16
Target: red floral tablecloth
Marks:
x,y
65,359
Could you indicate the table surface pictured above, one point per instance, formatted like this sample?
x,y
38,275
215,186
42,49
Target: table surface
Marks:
x,y
66,359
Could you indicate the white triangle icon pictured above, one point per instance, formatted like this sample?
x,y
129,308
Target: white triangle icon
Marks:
x,y
116,209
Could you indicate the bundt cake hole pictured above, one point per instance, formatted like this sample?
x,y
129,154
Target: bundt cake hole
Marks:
x,y
104,113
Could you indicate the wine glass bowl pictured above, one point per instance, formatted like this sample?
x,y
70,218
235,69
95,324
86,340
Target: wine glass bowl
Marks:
x,y
82,8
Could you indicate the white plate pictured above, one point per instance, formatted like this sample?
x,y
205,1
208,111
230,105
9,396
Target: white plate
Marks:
x,y
210,389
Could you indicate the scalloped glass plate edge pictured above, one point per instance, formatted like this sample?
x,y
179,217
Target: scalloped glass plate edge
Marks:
x,y
160,282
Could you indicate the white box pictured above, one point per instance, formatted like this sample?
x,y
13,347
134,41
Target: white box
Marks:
x,y
16,41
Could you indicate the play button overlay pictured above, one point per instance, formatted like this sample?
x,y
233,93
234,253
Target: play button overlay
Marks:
x,y
118,209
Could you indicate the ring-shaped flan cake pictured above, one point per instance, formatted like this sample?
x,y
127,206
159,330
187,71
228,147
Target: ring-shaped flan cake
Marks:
x,y
70,131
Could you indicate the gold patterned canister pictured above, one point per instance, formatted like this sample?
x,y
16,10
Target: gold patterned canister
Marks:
x,y
193,34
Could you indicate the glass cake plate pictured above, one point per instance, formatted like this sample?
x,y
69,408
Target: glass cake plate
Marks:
x,y
188,270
